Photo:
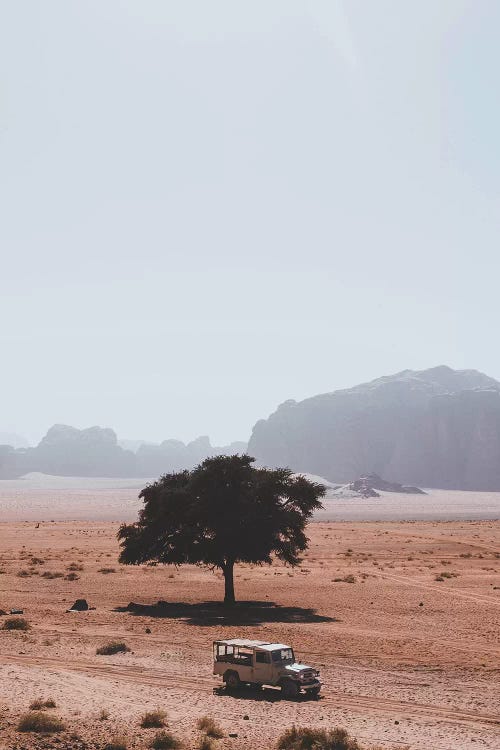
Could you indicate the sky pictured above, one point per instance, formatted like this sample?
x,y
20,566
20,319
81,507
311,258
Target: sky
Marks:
x,y
209,208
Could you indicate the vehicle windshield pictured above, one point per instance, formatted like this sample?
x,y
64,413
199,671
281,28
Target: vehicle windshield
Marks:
x,y
283,655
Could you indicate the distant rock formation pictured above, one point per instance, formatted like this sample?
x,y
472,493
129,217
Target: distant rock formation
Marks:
x,y
433,428
95,452
13,439
374,482
368,486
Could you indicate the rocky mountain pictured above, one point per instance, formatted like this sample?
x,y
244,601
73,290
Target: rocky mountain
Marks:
x,y
95,452
432,428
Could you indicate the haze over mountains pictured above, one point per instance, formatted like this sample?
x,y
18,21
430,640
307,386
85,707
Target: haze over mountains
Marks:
x,y
96,452
433,428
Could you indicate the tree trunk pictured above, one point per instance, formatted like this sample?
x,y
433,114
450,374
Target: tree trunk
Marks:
x,y
228,570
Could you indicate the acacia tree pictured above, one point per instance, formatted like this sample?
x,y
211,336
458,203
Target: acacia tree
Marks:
x,y
222,512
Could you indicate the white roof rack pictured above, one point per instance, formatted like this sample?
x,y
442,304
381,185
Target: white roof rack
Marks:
x,y
245,642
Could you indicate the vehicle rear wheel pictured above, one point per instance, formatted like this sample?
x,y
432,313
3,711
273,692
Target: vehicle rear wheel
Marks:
x,y
290,689
232,680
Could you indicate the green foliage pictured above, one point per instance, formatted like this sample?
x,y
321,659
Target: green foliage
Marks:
x,y
304,738
37,721
222,512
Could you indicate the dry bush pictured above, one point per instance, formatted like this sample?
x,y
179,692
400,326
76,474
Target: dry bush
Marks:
x,y
304,738
23,574
210,727
346,579
205,743
52,574
153,719
105,571
16,623
164,741
74,567
72,577
39,704
37,721
117,743
37,561
113,647
103,714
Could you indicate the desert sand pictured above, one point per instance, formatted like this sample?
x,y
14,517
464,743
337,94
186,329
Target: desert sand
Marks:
x,y
406,661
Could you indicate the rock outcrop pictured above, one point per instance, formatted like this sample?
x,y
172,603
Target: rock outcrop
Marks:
x,y
95,452
433,428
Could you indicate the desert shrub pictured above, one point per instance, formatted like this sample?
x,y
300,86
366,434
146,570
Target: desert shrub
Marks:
x,y
117,743
37,721
210,727
52,574
23,573
16,623
205,743
445,574
164,741
37,561
305,738
72,577
106,570
347,579
103,714
153,719
74,567
39,705
113,647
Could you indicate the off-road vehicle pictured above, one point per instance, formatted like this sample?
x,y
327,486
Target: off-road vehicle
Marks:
x,y
242,662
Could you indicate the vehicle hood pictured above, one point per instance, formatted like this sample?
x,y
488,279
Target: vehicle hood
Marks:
x,y
295,668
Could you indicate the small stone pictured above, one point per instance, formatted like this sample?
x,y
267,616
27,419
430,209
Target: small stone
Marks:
x,y
396,722
233,734
246,717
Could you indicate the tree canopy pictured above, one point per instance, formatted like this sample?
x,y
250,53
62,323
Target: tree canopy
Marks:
x,y
222,512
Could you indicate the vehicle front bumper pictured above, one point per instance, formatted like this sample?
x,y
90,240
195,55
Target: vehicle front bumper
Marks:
x,y
316,685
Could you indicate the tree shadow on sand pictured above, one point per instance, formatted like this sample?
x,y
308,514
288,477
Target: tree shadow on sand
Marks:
x,y
215,613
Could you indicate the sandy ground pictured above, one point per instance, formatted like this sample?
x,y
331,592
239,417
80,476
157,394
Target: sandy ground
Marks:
x,y
40,497
407,661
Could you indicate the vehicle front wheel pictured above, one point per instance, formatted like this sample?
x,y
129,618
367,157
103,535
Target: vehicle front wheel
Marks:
x,y
289,689
232,680
314,692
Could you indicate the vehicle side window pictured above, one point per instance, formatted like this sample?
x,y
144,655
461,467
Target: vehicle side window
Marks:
x,y
261,657
276,655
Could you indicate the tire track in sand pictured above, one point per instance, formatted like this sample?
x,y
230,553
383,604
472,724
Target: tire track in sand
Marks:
x,y
158,678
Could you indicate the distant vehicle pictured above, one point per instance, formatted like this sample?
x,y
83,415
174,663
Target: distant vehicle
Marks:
x,y
240,661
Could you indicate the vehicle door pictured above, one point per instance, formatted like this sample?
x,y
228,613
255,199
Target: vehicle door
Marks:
x,y
262,670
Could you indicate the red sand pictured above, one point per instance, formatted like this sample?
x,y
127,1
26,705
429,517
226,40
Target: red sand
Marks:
x,y
395,674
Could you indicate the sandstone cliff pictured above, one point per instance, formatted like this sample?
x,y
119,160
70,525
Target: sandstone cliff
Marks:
x,y
434,428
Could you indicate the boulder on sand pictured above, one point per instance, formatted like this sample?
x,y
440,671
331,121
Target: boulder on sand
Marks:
x,y
81,605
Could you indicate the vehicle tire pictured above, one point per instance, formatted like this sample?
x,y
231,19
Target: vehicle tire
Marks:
x,y
289,689
232,680
314,693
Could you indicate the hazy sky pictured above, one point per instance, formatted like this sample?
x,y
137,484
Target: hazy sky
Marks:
x,y
210,207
